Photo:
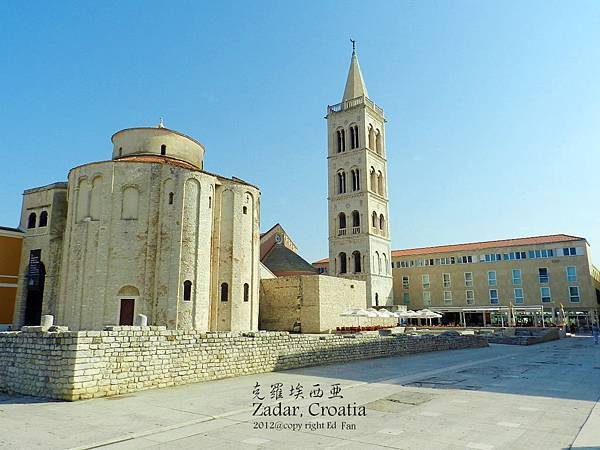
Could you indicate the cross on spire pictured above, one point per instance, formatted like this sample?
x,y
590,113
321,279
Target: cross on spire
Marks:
x,y
353,46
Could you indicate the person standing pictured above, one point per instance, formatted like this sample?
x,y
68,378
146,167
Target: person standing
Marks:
x,y
596,332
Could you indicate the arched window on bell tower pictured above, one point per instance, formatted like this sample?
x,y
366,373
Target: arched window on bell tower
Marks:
x,y
343,262
354,136
341,140
371,137
341,181
373,176
355,174
356,260
355,218
378,143
341,224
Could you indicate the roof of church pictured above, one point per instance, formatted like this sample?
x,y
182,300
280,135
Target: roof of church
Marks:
x,y
532,240
355,85
283,261
160,159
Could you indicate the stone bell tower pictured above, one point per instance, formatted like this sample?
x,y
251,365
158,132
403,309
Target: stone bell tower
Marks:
x,y
359,239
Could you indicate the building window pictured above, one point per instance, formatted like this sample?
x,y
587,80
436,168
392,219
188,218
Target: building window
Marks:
x,y
492,278
342,259
209,202
342,223
31,220
245,210
355,174
356,258
446,280
470,296
573,294
341,177
187,290
246,292
405,298
545,294
571,270
376,299
171,197
373,179
354,136
405,281
494,297
382,223
378,142
341,141
571,251
518,296
355,219
380,183
43,218
224,292
426,298
447,297
163,149
425,281
374,219
543,275
468,279
516,277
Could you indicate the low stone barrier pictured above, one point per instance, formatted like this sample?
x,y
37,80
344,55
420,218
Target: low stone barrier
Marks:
x,y
88,364
525,336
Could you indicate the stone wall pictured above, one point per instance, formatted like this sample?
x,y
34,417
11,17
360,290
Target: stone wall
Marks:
x,y
88,364
313,304
524,336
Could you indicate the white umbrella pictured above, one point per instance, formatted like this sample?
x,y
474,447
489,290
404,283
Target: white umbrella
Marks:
x,y
385,313
358,313
428,314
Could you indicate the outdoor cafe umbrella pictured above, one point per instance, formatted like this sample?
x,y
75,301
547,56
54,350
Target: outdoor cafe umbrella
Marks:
x,y
385,313
428,314
358,313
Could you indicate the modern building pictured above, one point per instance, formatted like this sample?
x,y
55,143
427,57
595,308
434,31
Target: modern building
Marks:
x,y
478,283
11,240
359,239
541,279
147,232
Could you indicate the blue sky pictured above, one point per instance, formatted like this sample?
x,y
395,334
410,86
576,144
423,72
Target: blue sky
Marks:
x,y
493,107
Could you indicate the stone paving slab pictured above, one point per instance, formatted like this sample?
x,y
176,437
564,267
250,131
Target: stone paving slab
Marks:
x,y
529,398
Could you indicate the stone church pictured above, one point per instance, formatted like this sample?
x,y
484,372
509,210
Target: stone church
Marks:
x,y
147,232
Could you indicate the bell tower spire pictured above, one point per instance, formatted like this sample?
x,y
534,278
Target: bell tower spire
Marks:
x,y
359,240
355,85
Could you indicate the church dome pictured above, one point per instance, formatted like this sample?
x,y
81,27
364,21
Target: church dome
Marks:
x,y
157,141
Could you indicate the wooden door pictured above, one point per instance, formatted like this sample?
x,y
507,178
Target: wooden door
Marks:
x,y
126,314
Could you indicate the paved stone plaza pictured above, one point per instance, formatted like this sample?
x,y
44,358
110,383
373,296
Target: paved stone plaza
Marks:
x,y
542,397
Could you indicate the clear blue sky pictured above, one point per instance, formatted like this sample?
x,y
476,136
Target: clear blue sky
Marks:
x,y
493,107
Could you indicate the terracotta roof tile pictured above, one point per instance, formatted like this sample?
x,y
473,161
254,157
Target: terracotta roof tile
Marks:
x,y
158,160
550,239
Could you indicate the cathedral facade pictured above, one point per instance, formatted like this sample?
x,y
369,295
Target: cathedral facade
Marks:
x,y
147,232
359,238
